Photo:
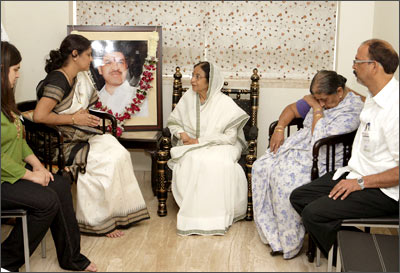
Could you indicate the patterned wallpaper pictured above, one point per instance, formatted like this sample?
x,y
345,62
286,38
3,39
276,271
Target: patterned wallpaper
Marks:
x,y
283,39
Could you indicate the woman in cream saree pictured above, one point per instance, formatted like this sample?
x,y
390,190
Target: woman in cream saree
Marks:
x,y
108,194
208,184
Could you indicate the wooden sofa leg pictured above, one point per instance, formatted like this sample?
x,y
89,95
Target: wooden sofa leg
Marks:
x,y
162,194
249,164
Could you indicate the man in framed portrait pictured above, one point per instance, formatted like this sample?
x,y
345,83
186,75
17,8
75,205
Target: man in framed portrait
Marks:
x,y
112,65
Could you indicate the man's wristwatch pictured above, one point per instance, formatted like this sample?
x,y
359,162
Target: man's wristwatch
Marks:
x,y
360,182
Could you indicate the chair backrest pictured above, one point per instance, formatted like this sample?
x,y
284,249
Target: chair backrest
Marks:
x,y
46,141
247,99
27,107
298,122
331,143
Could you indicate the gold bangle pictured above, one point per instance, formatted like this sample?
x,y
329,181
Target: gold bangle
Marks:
x,y
318,115
73,120
279,126
278,130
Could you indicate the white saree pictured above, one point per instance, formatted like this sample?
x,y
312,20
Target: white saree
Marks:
x,y
108,194
208,184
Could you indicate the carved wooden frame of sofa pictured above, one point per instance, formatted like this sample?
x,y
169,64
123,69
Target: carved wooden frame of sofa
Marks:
x,y
247,99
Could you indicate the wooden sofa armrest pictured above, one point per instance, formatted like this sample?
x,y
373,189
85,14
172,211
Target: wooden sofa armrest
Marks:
x,y
166,132
106,116
253,133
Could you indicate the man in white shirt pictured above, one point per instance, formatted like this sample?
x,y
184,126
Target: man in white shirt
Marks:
x,y
369,185
117,93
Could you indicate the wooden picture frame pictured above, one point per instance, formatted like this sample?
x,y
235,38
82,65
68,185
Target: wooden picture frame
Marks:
x,y
133,41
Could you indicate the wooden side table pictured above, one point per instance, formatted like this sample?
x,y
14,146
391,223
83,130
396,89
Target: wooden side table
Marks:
x,y
147,140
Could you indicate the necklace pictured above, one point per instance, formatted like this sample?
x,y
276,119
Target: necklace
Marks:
x,y
66,75
17,124
70,84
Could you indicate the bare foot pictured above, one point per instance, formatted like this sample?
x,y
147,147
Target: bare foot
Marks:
x,y
91,268
115,234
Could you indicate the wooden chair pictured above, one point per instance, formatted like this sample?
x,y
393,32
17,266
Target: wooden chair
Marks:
x,y
247,99
330,143
47,142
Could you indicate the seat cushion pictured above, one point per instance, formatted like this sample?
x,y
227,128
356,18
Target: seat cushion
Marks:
x,y
366,252
383,220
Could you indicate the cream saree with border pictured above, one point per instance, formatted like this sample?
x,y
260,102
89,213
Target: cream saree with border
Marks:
x,y
108,195
208,184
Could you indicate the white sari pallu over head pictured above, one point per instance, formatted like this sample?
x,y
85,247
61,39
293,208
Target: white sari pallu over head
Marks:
x,y
208,184
218,114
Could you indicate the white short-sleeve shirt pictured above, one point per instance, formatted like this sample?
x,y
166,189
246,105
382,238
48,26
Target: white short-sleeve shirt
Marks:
x,y
376,144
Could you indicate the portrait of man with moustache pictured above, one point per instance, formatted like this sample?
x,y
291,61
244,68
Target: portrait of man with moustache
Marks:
x,y
118,66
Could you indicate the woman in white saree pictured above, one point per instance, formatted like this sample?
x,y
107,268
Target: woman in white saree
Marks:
x,y
108,194
208,184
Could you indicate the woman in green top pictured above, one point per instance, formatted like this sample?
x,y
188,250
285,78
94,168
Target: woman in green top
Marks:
x,y
26,184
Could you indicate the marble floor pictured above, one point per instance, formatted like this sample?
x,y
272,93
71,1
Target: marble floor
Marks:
x,y
153,246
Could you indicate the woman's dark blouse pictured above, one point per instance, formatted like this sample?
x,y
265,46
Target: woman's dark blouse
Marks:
x,y
55,78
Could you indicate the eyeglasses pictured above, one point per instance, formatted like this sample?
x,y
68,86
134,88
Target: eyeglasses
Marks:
x,y
362,61
197,77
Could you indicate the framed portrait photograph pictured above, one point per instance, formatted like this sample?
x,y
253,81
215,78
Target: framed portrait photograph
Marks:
x,y
126,70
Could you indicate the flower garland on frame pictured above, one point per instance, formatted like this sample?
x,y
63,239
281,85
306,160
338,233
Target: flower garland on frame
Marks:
x,y
147,76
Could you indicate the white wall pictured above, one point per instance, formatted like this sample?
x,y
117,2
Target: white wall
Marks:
x,y
272,102
36,27
355,25
359,21
386,24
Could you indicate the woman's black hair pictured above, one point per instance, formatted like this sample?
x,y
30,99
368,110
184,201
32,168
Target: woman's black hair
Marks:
x,y
205,66
327,82
10,56
57,58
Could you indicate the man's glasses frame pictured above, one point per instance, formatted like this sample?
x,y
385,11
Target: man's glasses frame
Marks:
x,y
362,61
